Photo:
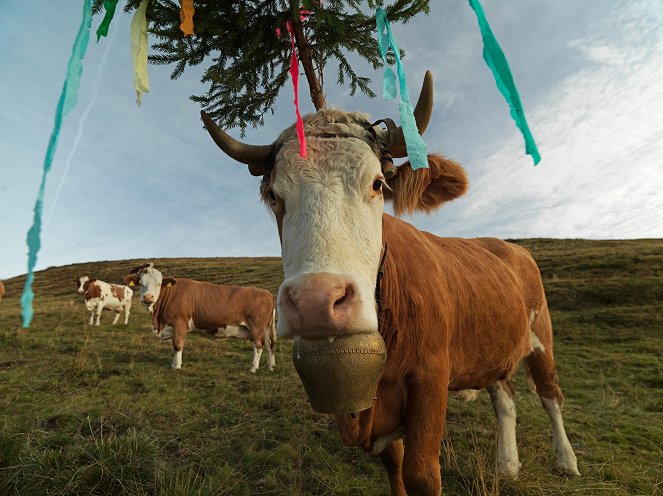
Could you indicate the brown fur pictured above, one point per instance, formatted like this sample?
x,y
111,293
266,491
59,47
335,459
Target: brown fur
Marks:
x,y
425,190
2,290
91,290
117,291
455,316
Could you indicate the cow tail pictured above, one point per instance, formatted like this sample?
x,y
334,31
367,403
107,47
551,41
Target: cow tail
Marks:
x,y
272,326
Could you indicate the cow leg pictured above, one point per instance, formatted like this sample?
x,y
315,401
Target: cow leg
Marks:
x,y
92,316
501,395
424,425
541,367
392,459
127,311
257,353
117,316
179,334
97,311
271,358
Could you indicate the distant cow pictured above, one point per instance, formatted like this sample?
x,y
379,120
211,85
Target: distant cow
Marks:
x,y
2,290
180,306
100,295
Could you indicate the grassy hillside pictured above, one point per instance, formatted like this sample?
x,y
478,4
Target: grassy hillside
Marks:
x,y
97,410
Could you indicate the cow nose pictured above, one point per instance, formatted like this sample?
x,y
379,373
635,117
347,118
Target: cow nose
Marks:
x,y
148,298
320,304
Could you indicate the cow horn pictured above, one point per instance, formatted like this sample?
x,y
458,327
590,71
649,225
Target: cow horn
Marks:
x,y
422,114
255,156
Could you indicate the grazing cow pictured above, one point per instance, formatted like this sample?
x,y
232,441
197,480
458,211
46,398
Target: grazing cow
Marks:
x,y
179,306
454,313
99,295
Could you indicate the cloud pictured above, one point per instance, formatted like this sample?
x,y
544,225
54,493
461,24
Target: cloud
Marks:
x,y
599,133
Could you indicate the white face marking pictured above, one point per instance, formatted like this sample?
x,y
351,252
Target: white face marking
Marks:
x,y
508,463
566,458
81,283
333,218
150,286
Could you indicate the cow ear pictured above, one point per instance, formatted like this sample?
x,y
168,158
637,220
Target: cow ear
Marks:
x,y
425,190
131,280
169,282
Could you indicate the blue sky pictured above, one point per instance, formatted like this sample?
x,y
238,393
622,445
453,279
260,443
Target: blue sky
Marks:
x,y
148,182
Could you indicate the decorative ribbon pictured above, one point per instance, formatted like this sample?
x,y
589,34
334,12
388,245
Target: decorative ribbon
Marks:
x,y
109,6
139,51
67,101
186,16
294,72
415,146
496,61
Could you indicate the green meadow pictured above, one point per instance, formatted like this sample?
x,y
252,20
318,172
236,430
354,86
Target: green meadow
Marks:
x,y
98,411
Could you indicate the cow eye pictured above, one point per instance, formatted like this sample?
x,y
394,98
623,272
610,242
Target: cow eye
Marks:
x,y
377,185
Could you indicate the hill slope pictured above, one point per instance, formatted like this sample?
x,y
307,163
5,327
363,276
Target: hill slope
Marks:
x,y
87,410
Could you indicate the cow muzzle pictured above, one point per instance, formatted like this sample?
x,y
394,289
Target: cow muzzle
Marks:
x,y
321,305
338,353
147,299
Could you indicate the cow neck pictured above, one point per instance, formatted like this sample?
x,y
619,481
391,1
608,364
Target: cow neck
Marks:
x,y
160,305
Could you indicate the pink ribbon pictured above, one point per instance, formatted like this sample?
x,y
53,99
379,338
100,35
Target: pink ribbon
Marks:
x,y
294,72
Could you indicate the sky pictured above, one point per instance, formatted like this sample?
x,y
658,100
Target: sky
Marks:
x,y
130,182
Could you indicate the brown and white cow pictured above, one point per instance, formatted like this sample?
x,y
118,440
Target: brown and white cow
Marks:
x,y
180,306
99,295
454,313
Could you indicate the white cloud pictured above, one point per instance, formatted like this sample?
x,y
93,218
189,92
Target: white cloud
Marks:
x,y
600,135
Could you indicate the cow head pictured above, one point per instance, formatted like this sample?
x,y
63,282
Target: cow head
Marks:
x,y
329,206
150,281
81,283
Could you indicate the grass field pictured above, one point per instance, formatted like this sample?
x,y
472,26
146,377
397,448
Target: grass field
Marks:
x,y
97,410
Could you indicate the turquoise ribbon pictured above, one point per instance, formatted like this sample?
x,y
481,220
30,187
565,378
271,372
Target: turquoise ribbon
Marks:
x,y
496,60
416,148
67,101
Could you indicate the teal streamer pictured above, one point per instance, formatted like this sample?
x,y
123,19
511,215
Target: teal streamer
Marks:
x,y
67,100
496,61
415,146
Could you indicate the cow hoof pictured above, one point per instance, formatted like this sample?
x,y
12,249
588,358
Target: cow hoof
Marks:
x,y
509,470
569,471
253,370
272,369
